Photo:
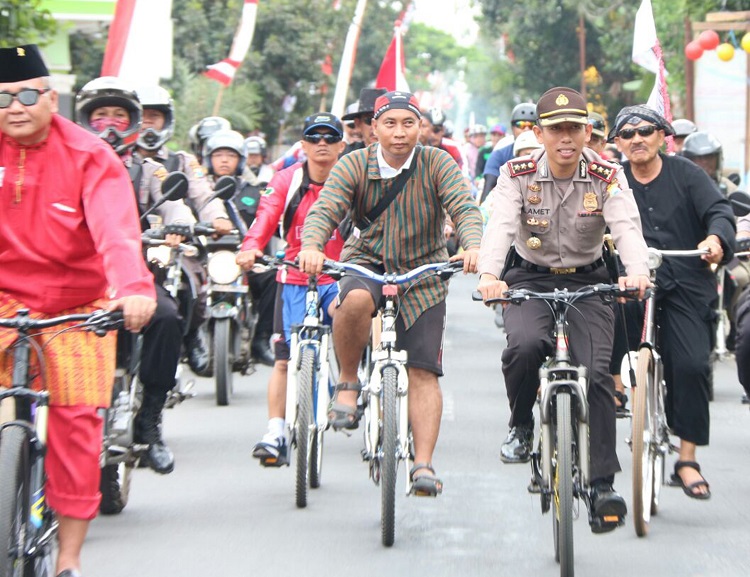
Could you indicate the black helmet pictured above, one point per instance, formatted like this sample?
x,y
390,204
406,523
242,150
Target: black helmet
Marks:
x,y
201,132
156,98
683,127
110,91
704,144
523,111
255,145
229,139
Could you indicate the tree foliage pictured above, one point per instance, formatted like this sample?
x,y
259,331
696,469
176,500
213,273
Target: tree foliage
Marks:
x,y
543,43
25,22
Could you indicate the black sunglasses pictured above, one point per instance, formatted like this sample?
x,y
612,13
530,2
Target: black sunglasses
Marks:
x,y
317,137
644,131
367,119
26,96
597,125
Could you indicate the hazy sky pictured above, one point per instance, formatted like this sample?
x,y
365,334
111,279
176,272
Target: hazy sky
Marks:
x,y
454,16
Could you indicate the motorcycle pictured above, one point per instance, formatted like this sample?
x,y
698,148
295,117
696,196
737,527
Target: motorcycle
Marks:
x,y
232,319
120,454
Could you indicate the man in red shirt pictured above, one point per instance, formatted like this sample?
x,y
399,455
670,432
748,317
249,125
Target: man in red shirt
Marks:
x,y
69,237
289,196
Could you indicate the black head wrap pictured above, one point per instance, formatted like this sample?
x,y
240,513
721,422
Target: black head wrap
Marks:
x,y
634,115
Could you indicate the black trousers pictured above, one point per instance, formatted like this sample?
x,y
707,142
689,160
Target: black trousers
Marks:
x,y
162,342
742,342
529,328
263,288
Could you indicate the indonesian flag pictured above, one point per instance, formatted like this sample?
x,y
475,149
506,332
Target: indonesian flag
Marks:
x,y
126,51
225,70
647,53
391,75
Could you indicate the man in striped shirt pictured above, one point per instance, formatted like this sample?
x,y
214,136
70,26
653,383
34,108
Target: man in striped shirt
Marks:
x,y
408,233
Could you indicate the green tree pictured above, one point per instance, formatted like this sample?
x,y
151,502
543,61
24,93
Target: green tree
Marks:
x,y
24,22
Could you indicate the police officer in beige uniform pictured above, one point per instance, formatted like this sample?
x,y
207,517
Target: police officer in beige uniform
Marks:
x,y
554,205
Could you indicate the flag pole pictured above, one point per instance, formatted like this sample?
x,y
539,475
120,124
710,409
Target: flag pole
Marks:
x,y
217,102
347,60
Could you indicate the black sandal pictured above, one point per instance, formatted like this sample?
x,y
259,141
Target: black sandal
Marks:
x,y
425,485
341,416
689,490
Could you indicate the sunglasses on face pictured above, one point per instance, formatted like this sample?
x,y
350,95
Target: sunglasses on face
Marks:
x,y
523,123
367,120
317,137
597,125
26,96
644,131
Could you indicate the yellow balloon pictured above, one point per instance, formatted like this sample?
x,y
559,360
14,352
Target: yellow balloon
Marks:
x,y
725,52
746,42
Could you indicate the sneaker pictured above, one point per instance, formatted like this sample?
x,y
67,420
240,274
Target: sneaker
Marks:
x,y
517,446
608,508
272,451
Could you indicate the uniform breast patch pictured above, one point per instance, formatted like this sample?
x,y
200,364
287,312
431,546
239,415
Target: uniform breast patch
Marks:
x,y
519,167
602,171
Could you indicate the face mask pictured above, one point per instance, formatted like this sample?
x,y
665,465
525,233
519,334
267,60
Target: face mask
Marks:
x,y
101,124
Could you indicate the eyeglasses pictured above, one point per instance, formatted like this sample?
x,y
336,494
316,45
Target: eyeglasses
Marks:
x,y
367,119
644,131
522,123
437,129
26,96
597,124
317,137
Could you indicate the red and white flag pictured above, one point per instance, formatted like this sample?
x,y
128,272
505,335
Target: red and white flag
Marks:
x,y
225,70
647,53
126,51
391,75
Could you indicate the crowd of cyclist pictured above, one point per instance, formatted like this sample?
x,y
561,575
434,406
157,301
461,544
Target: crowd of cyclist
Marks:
x,y
274,200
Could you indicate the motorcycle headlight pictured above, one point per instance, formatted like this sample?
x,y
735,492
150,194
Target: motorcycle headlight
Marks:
x,y
222,267
159,254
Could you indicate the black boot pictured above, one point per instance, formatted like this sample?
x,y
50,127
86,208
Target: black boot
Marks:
x,y
261,350
147,431
197,351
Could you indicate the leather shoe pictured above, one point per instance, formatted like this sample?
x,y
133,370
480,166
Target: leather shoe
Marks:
x,y
261,351
608,508
517,447
159,458
197,353
69,573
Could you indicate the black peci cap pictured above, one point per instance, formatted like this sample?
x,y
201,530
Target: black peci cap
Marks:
x,y
21,63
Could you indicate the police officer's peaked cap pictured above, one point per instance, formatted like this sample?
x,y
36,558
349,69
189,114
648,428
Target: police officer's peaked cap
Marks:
x,y
561,104
21,63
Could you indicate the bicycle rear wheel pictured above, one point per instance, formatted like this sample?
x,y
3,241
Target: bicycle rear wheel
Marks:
x,y
641,443
304,427
389,458
14,498
562,500
316,456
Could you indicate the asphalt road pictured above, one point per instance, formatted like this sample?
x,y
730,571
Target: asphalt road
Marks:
x,y
219,513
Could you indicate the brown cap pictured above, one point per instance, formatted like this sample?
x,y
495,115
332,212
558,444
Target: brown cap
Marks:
x,y
561,104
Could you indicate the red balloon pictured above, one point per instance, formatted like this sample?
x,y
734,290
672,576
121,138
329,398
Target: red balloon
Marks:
x,y
708,39
693,50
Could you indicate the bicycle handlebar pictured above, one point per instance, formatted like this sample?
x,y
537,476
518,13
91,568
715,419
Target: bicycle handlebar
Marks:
x,y
99,321
603,290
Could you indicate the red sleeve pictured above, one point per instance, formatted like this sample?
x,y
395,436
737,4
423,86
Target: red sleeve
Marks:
x,y
270,210
112,218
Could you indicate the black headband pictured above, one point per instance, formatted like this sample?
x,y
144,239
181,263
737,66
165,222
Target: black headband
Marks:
x,y
634,115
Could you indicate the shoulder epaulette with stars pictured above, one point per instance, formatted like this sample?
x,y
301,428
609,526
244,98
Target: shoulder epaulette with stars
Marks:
x,y
519,167
606,172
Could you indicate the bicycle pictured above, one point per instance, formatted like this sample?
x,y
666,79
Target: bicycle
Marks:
x,y
649,438
560,467
388,438
310,377
27,527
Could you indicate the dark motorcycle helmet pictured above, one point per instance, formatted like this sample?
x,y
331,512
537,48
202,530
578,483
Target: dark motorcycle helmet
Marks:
x,y
110,91
229,139
523,111
700,146
202,131
156,98
683,127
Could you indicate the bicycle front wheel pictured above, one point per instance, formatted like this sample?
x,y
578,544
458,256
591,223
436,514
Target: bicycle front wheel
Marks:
x,y
304,426
641,443
14,495
562,500
223,360
389,458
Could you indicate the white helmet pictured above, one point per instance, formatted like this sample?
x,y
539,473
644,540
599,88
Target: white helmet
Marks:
x,y
157,98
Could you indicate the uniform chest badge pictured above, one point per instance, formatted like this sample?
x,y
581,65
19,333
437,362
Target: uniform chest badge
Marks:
x,y
534,199
534,243
590,202
532,222
535,187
